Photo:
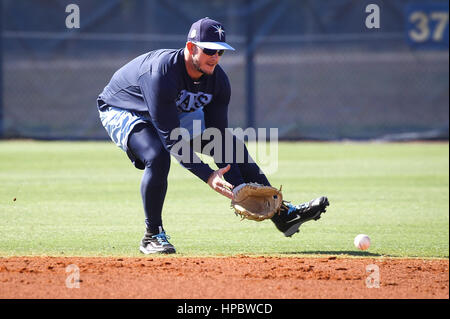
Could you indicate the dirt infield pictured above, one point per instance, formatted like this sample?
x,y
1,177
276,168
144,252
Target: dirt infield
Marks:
x,y
239,277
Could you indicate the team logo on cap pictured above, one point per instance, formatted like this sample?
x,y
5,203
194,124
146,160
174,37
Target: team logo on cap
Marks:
x,y
193,33
219,30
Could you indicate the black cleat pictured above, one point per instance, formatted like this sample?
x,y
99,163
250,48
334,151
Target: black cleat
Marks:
x,y
156,244
290,217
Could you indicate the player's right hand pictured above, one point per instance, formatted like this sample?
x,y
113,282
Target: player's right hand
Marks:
x,y
219,184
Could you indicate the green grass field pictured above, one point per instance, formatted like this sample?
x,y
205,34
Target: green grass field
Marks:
x,y
82,199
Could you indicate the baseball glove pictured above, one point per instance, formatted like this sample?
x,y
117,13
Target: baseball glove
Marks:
x,y
255,201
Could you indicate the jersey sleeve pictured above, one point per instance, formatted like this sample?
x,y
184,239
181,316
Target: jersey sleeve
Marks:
x,y
216,116
160,92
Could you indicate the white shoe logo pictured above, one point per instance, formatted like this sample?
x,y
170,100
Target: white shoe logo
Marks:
x,y
294,219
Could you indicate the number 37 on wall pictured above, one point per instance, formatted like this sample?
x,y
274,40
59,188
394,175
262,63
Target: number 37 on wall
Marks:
x,y
427,25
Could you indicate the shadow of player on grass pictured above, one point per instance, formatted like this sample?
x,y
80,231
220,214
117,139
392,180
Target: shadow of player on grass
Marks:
x,y
342,252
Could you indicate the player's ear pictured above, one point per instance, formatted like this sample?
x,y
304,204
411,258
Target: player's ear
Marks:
x,y
191,47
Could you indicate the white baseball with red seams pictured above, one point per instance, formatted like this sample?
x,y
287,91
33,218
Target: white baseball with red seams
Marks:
x,y
362,241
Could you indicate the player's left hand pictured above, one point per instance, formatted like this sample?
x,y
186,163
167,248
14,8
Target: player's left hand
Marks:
x,y
220,185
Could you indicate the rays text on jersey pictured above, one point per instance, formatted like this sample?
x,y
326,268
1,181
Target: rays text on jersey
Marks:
x,y
190,102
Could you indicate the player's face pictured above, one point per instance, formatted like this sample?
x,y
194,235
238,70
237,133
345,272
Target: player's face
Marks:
x,y
205,63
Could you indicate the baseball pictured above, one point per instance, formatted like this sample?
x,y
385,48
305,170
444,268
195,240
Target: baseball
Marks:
x,y
362,242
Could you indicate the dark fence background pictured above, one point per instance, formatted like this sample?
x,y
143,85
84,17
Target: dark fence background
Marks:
x,y
310,68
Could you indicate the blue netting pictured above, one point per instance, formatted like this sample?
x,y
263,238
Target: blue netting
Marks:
x,y
310,68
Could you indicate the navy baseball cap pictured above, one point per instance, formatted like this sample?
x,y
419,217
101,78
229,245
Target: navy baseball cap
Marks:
x,y
208,34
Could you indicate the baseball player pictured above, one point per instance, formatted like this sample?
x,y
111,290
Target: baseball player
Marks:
x,y
162,90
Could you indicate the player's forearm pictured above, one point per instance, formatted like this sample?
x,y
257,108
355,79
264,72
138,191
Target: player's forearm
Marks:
x,y
182,151
201,170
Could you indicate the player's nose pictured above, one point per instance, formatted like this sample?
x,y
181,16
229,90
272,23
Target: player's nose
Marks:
x,y
215,58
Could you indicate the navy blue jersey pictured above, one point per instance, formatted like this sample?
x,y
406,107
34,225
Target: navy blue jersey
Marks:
x,y
157,82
